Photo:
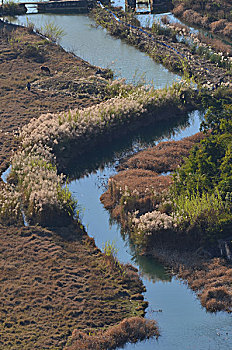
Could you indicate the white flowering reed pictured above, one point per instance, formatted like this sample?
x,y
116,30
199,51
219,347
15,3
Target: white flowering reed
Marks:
x,y
153,222
33,166
54,130
10,205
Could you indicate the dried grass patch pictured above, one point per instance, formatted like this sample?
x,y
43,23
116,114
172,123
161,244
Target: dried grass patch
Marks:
x,y
129,330
212,279
141,176
164,157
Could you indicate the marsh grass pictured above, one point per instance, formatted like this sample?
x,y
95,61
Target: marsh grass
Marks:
x,y
129,330
52,31
200,210
34,171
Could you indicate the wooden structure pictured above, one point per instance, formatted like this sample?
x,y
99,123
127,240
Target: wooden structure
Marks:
x,y
78,6
149,6
161,6
65,6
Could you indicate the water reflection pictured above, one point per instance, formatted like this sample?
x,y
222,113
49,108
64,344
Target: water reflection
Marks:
x,y
151,270
183,322
120,148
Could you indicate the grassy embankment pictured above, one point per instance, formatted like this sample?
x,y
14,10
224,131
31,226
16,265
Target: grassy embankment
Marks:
x,y
34,177
213,15
206,65
72,83
54,281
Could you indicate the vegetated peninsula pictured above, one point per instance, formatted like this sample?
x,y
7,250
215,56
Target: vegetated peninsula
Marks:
x,y
184,218
58,290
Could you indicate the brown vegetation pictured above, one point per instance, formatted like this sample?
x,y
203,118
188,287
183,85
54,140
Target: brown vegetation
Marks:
x,y
73,82
129,330
213,282
164,157
55,282
213,15
142,176
210,278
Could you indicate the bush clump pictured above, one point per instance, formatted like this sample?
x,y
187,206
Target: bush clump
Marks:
x,y
202,189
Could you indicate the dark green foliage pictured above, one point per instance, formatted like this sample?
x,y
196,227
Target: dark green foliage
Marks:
x,y
209,164
208,172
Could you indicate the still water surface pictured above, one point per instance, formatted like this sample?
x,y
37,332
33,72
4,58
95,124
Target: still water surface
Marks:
x,y
183,323
94,45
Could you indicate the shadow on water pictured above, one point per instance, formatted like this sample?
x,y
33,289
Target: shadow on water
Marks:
x,y
151,269
184,324
122,148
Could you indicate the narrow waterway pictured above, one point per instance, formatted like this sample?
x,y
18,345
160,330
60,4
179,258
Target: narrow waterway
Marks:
x,y
183,323
95,45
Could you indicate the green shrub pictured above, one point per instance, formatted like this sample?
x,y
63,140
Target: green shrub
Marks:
x,y
52,31
202,187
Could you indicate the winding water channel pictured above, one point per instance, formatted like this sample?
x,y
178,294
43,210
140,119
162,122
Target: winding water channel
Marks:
x,y
183,323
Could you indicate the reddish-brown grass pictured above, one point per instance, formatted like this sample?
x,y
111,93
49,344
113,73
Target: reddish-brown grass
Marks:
x,y
51,285
211,15
164,157
129,330
217,44
210,278
141,175
218,25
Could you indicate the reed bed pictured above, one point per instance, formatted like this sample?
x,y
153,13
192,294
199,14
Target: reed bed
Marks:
x,y
138,194
44,196
85,125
